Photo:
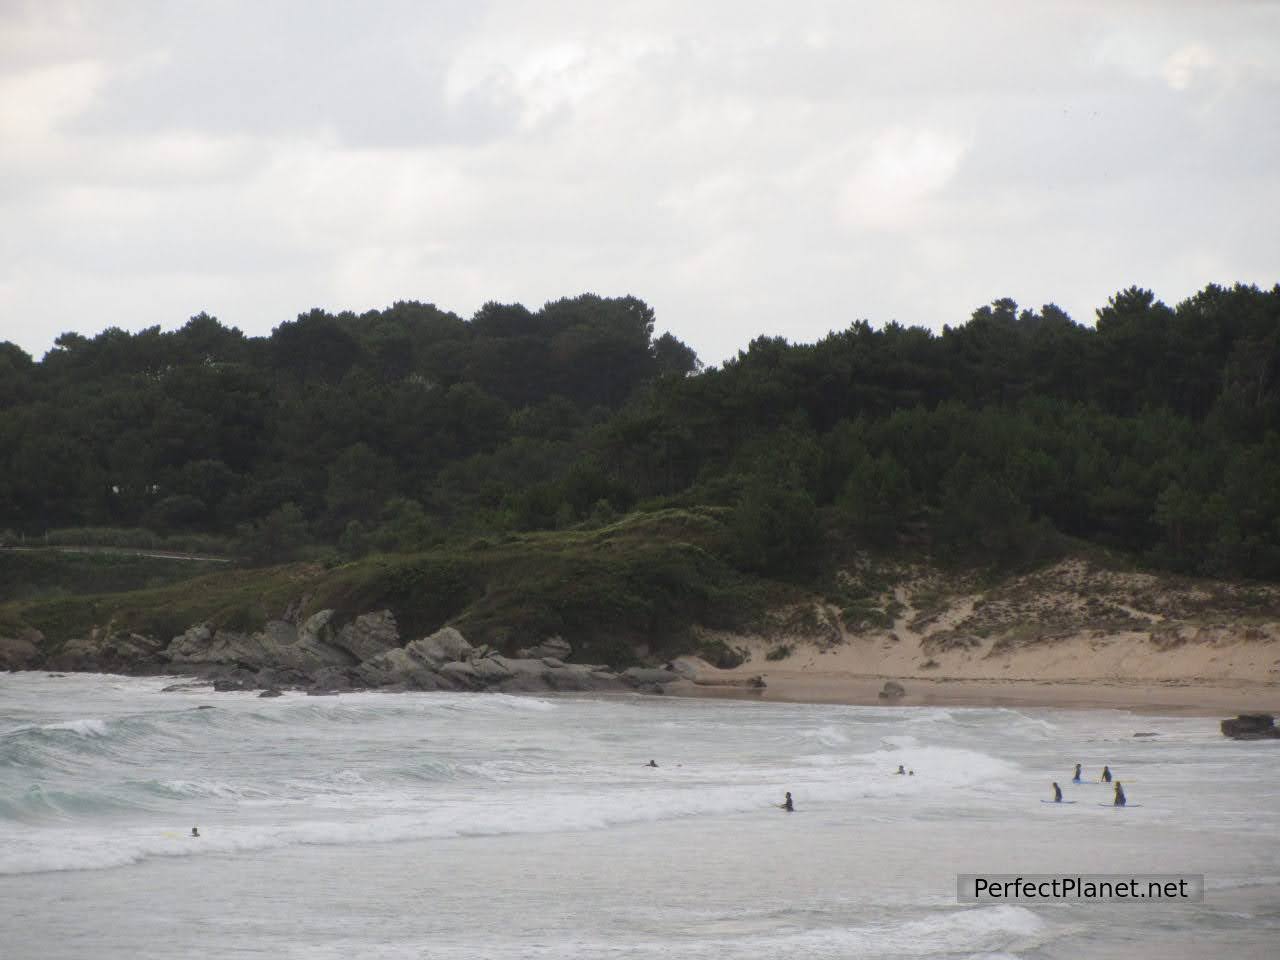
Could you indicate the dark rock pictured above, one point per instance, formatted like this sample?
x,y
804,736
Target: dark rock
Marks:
x,y
186,685
226,686
1251,726
643,676
269,677
335,678
892,690
21,651
271,692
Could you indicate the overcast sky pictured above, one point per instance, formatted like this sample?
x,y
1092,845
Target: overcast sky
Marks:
x,y
746,168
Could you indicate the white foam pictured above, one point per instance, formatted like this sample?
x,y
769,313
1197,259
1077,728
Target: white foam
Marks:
x,y
89,727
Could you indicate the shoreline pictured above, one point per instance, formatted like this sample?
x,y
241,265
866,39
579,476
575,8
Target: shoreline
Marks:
x,y
1208,698
1181,697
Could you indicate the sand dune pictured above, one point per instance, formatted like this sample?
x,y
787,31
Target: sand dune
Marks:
x,y
1073,634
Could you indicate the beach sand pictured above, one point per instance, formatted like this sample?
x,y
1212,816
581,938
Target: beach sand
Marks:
x,y
1167,698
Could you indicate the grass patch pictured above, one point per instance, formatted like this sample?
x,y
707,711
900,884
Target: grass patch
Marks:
x,y
646,578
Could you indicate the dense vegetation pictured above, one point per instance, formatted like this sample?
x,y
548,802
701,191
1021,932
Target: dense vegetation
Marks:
x,y
1155,431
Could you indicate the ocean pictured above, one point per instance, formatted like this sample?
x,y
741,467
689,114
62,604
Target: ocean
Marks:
x,y
435,825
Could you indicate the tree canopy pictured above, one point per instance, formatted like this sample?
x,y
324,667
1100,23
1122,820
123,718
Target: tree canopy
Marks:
x,y
1154,431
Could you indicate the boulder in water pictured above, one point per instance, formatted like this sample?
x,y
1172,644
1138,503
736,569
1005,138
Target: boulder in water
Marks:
x,y
1251,726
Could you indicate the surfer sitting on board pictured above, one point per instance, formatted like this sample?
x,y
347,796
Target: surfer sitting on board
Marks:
x,y
1120,800
902,769
195,831
787,805
1106,774
1057,793
1075,777
651,763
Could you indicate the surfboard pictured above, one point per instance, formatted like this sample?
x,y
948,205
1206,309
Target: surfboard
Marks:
x,y
1057,803
1125,807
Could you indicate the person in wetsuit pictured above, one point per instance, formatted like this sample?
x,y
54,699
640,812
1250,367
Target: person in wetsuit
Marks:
x,y
1075,777
1106,774
1120,800
1057,793
787,805
195,831
651,763
902,769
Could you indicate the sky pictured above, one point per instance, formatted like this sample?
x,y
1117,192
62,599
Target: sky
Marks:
x,y
745,168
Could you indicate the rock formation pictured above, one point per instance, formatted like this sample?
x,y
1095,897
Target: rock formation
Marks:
x,y
1251,726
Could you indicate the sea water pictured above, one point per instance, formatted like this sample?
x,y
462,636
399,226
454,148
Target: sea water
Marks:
x,y
484,825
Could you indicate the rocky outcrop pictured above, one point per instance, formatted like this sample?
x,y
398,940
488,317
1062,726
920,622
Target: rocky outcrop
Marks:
x,y
369,635
320,655
22,651
556,647
398,668
648,678
443,646
1251,726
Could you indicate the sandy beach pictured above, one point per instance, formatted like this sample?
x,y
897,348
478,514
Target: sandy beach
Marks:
x,y
1072,635
1172,697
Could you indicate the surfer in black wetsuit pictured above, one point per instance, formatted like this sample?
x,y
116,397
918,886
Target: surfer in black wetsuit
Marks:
x,y
1120,800
1106,774
1075,777
651,763
787,804
195,831
902,770
1057,793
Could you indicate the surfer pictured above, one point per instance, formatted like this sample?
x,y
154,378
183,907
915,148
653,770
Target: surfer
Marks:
x,y
1075,777
1120,798
1057,793
911,773
1106,774
651,763
902,770
787,805
195,831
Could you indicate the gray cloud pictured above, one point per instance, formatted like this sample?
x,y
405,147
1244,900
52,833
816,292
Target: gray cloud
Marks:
x,y
747,168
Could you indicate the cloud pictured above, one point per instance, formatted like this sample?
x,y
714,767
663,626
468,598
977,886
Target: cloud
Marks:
x,y
902,168
746,167
1186,64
